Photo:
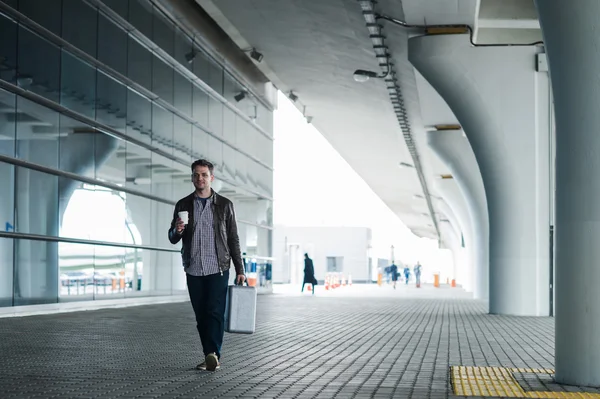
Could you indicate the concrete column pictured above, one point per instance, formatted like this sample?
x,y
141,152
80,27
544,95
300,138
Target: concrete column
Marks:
x,y
449,190
461,264
453,243
453,148
571,33
502,104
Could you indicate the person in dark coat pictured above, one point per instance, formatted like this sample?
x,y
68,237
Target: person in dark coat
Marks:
x,y
309,274
394,273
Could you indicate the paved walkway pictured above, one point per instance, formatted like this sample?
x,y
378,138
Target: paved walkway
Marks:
x,y
355,342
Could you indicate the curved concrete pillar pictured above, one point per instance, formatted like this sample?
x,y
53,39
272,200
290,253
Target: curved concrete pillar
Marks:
x,y
503,105
453,148
449,190
571,33
461,265
453,243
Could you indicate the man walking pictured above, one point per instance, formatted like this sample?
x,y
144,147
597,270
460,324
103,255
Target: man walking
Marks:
x,y
309,274
205,222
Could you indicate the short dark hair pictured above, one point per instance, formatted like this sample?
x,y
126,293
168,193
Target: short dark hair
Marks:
x,y
204,162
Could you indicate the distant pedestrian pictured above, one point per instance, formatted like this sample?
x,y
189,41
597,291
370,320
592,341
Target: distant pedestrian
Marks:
x,y
309,274
406,274
417,270
394,273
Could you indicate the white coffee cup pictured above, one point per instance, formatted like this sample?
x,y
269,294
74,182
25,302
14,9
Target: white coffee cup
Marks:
x,y
184,216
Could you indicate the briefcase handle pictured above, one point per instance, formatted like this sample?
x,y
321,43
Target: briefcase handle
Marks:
x,y
242,284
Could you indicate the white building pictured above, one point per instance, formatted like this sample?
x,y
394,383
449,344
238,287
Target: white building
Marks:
x,y
332,249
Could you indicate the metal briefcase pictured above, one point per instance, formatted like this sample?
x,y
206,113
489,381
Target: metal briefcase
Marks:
x,y
240,309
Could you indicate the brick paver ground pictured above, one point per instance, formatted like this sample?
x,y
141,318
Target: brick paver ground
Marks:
x,y
388,345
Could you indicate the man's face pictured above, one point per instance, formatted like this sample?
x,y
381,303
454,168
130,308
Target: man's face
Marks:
x,y
202,178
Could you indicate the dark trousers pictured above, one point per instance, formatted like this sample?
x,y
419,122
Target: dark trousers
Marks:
x,y
208,294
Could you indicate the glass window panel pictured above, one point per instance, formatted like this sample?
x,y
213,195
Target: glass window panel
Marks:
x,y
46,13
229,169
231,88
111,103
79,25
241,167
160,216
140,16
78,85
163,34
182,137
138,169
200,65
140,220
39,65
199,143
139,117
36,214
200,106
263,148
6,269
215,116
36,277
215,153
76,272
161,270
136,264
183,94
8,49
215,76
139,64
229,125
183,48
37,133
162,80
162,128
112,45
76,148
118,6
110,156
110,271
8,126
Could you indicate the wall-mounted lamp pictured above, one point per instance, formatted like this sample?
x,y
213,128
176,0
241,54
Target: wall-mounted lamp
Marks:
x,y
309,119
240,96
189,57
361,76
255,55
292,96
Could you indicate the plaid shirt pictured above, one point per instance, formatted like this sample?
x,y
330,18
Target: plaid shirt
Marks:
x,y
204,260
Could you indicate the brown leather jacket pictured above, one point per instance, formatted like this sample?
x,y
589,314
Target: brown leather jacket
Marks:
x,y
226,233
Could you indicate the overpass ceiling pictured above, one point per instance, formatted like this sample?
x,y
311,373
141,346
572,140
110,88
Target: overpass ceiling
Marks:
x,y
313,48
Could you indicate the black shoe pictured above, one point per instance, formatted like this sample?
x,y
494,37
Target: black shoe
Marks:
x,y
212,362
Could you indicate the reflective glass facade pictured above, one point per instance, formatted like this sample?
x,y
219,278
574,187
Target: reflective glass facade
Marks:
x,y
98,127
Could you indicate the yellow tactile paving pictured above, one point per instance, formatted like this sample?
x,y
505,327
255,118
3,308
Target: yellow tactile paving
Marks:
x,y
500,382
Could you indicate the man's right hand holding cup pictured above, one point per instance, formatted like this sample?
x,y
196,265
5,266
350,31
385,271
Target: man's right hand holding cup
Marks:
x,y
181,222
